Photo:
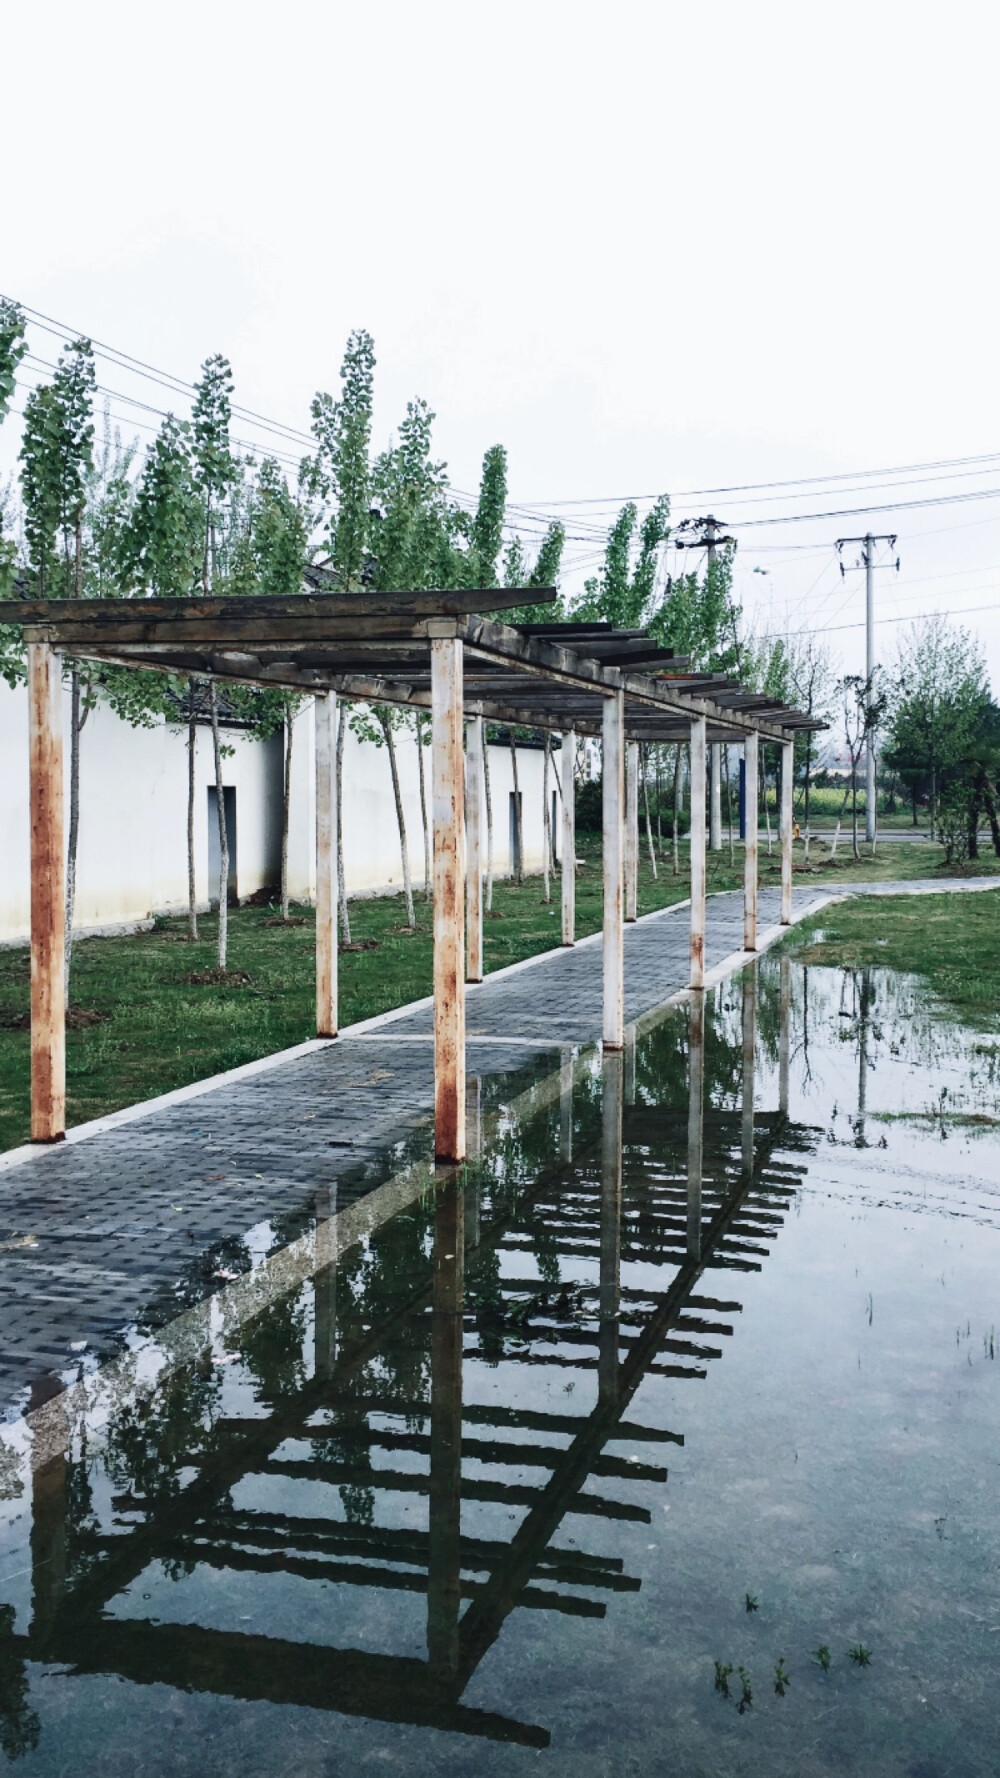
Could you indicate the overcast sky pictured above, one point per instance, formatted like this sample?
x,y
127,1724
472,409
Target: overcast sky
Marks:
x,y
645,247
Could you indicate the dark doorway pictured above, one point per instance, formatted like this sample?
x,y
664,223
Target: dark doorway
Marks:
x,y
229,805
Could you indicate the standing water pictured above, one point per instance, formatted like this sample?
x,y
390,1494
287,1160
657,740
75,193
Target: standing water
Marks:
x,y
429,1491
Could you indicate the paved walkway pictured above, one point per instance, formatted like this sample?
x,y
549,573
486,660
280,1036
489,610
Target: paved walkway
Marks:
x,y
123,1229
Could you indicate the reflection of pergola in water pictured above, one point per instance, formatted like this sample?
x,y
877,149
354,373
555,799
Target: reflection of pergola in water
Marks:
x,y
710,1198
430,651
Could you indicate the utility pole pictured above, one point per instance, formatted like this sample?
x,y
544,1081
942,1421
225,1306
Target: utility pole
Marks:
x,y
867,562
708,540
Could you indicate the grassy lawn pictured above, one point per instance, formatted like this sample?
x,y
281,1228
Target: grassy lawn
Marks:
x,y
951,940
157,1029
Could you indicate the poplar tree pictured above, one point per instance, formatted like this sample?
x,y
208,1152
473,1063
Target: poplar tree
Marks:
x,y
487,525
13,346
214,472
343,432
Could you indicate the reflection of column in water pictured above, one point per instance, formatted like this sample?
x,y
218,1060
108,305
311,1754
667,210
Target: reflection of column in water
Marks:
x,y
630,1064
474,1136
611,1225
749,1039
696,1120
784,1034
864,1009
325,1285
445,1505
566,1105
48,1518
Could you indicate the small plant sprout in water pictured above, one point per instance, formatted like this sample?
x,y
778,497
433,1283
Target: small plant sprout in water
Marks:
x,y
746,1701
752,1602
824,1657
860,1655
782,1678
722,1672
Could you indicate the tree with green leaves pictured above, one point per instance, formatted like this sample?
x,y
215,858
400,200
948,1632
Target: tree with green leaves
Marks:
x,y
938,689
214,472
488,522
56,458
13,346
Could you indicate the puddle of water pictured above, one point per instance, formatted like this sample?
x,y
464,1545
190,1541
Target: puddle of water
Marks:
x,y
692,1374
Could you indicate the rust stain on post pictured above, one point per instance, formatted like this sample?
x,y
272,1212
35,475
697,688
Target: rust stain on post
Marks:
x,y
698,749
787,780
568,779
613,732
48,896
326,870
474,843
631,830
449,898
750,819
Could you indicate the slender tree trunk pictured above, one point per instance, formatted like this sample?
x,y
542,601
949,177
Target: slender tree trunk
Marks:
x,y
659,802
220,806
974,805
767,806
390,742
75,725
677,809
989,797
192,756
645,804
204,560
286,806
423,808
729,805
517,862
854,805
934,821
546,821
78,565
913,803
345,918
489,822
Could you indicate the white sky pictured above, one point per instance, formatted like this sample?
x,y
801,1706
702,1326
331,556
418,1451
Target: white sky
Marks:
x,y
647,248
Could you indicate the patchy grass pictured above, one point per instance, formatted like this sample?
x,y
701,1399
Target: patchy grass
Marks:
x,y
953,941
151,1014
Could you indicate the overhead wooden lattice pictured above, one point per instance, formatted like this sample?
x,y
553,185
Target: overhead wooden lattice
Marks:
x,y
376,646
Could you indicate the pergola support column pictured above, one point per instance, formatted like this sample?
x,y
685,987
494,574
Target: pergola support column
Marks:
x,y
785,828
48,895
326,866
613,761
474,848
449,896
568,777
631,830
750,873
699,728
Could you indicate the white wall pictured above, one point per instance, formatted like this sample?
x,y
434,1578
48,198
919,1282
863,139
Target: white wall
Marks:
x,y
133,815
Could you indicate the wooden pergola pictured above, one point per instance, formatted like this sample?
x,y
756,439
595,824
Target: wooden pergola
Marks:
x,y
434,651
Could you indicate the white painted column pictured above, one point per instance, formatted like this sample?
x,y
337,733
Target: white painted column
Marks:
x,y
613,731
750,814
784,1033
698,750
474,848
324,715
48,895
749,1053
568,778
715,799
787,781
449,896
631,830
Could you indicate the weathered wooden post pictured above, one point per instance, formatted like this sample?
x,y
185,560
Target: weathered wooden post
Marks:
x,y
787,782
696,1121
474,848
449,891
613,765
749,1049
48,895
699,731
750,771
631,830
609,1303
326,867
568,776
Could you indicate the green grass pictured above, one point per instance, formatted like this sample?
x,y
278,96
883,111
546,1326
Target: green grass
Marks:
x,y
953,941
159,1031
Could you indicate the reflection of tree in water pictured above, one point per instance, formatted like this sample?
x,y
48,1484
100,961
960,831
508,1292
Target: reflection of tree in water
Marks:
x,y
19,1725
150,1440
